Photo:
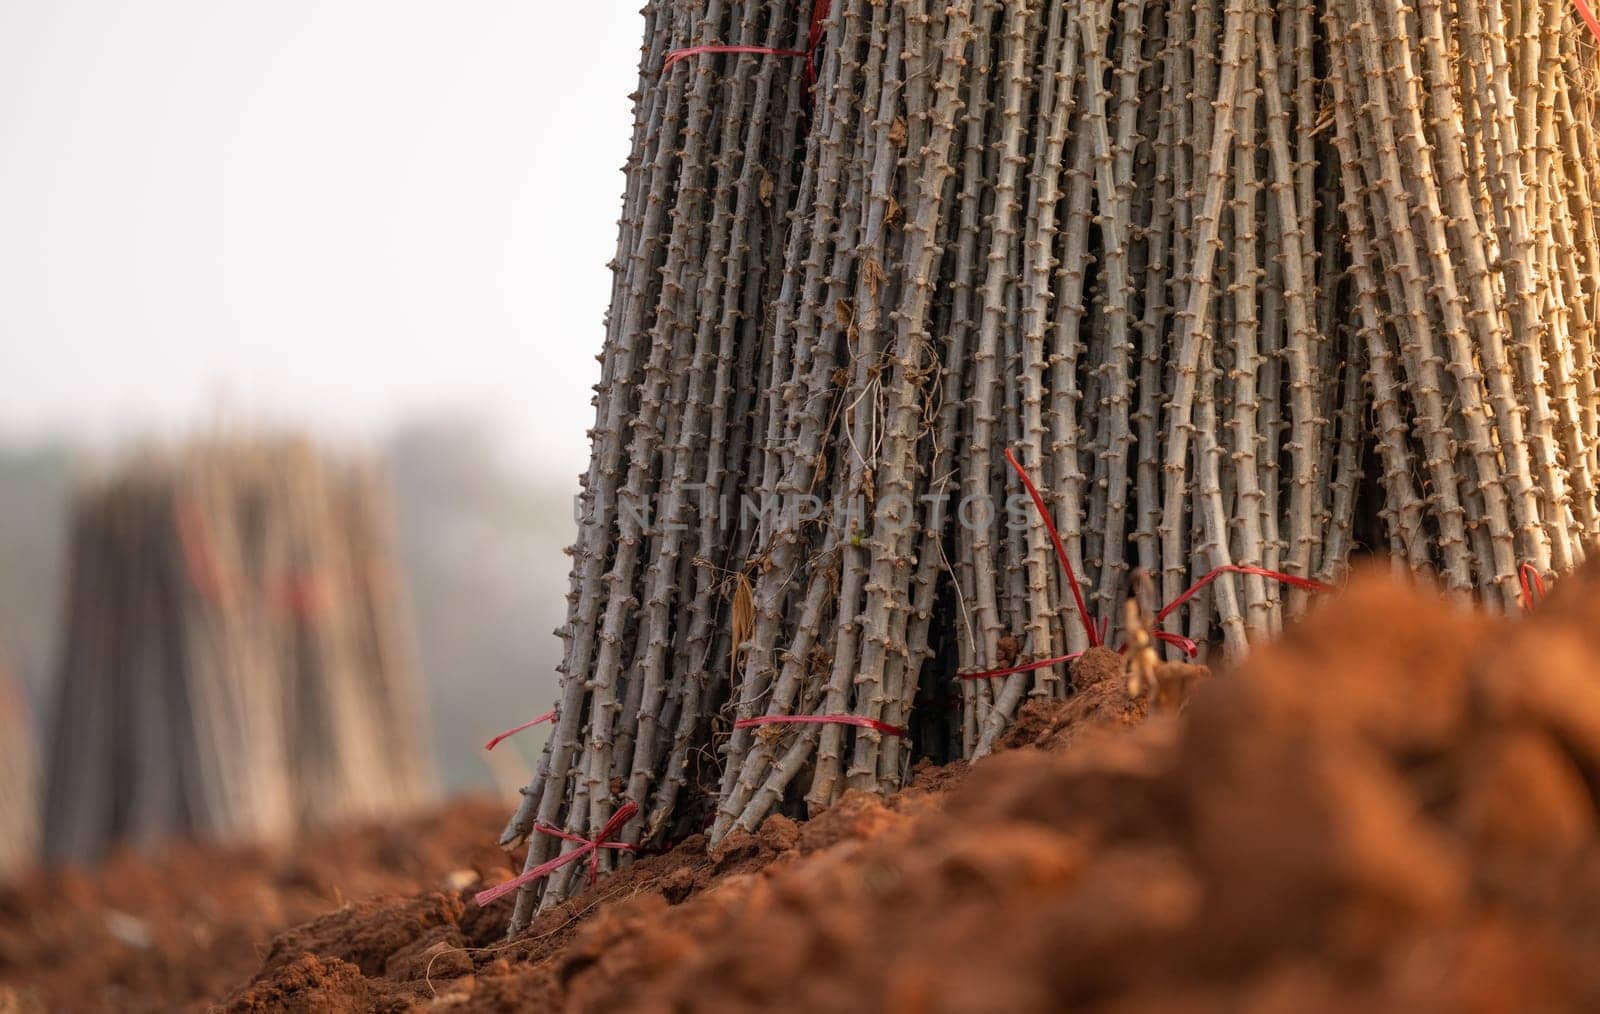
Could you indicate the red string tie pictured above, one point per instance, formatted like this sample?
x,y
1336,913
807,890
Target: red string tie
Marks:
x,y
198,559
856,720
1305,583
819,12
1587,14
1187,646
304,595
586,847
1024,667
1532,582
548,716
1061,551
1182,643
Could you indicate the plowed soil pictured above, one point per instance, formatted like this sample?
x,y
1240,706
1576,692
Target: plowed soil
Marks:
x,y
1392,808
181,930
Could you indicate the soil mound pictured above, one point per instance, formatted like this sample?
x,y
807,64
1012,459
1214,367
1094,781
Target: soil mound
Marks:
x,y
180,930
329,964
1393,807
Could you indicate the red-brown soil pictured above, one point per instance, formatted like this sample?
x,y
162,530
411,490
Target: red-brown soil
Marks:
x,y
1394,807
182,929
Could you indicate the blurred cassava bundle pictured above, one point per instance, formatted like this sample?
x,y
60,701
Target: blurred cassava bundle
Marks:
x,y
236,654
19,800
1255,283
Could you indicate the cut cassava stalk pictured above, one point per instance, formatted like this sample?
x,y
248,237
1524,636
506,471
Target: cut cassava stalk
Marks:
x,y
1249,284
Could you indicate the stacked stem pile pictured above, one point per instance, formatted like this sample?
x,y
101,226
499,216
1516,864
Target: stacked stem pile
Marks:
x,y
19,799
237,659
1239,282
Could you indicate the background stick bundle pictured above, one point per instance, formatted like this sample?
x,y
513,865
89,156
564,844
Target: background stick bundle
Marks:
x,y
19,801
237,658
1252,282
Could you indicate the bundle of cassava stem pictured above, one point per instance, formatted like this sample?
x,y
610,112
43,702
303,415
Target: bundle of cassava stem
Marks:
x,y
1244,284
236,653
19,793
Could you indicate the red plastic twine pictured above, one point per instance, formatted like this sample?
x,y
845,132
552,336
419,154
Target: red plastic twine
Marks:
x,y
857,720
198,559
1095,636
1025,667
587,847
304,595
1180,642
1532,581
1187,646
819,13
1061,551
1234,568
301,595
1587,14
548,716
678,55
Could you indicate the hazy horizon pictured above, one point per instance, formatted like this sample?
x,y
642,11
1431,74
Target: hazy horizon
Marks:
x,y
386,224
339,214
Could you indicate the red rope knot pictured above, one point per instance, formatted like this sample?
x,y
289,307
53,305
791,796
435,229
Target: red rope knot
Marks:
x,y
819,13
856,720
548,716
586,847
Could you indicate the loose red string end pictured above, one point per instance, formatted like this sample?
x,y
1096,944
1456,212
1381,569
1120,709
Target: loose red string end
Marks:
x,y
856,720
1061,551
548,716
1305,583
819,14
1025,667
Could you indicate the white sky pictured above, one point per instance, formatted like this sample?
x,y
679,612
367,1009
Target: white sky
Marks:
x,y
341,212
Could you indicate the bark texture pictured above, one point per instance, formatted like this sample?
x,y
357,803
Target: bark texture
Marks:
x,y
1263,283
